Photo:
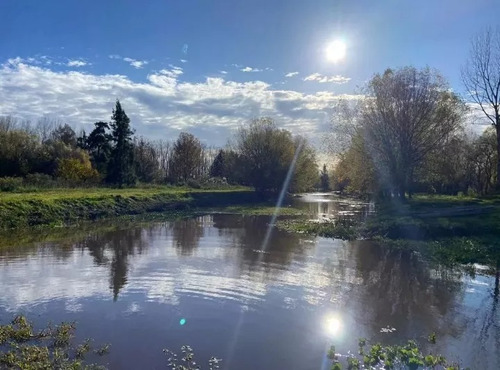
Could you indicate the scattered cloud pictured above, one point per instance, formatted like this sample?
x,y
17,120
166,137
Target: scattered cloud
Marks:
x,y
250,69
291,74
185,48
137,64
337,79
223,72
183,61
162,105
77,63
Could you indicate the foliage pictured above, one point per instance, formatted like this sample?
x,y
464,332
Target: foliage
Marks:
x,y
355,171
410,114
267,153
324,179
408,356
218,167
19,152
22,347
340,228
77,171
98,144
10,183
64,134
146,161
186,158
186,361
121,163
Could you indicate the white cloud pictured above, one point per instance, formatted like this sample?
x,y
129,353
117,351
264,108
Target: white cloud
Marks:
x,y
223,72
250,69
183,61
337,79
291,74
161,106
76,63
133,62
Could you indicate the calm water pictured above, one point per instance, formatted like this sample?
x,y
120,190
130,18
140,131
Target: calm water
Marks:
x,y
130,285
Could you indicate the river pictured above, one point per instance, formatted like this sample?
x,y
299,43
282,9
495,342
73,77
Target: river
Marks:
x,y
211,282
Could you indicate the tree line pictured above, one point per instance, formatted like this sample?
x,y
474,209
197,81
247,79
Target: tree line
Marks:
x,y
50,153
409,133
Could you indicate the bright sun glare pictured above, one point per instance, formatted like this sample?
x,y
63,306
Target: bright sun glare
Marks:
x,y
335,51
333,325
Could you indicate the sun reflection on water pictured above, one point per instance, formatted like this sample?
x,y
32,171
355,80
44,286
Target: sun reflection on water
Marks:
x,y
332,325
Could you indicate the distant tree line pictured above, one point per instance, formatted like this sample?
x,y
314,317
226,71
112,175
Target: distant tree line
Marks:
x,y
50,153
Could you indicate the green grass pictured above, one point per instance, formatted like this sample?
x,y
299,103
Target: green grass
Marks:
x,y
263,209
57,207
72,193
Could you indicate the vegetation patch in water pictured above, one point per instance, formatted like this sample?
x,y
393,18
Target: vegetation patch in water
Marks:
x,y
377,356
22,347
344,229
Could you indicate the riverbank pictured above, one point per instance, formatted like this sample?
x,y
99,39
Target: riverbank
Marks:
x,y
58,207
449,229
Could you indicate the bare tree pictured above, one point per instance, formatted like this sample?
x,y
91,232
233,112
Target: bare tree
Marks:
x,y
481,77
407,114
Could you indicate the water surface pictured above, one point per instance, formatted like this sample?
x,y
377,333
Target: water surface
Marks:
x,y
255,307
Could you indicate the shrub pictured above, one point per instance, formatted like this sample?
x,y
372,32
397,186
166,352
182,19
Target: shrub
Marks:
x,y
10,183
40,180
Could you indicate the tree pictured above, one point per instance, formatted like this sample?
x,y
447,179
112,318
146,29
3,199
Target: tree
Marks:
x,y
186,158
267,153
481,77
65,134
98,143
408,113
121,163
217,169
76,171
146,159
483,160
324,179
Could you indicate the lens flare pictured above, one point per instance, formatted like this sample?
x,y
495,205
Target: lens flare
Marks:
x,y
332,325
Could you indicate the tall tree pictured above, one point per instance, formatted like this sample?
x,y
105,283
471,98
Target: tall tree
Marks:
x,y
408,113
481,77
65,134
186,158
217,169
147,161
267,153
98,143
121,163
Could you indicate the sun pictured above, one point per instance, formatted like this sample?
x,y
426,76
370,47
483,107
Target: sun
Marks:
x,y
335,51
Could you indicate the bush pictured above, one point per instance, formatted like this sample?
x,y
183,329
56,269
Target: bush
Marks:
x,y
193,183
75,171
10,183
40,180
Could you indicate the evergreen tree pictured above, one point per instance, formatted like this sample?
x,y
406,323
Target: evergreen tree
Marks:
x,y
217,169
121,163
98,143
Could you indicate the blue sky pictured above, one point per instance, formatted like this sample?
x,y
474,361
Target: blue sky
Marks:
x,y
208,66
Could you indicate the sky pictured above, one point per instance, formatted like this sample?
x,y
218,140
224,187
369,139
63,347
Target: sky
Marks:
x,y
210,66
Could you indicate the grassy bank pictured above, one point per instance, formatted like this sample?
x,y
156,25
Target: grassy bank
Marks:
x,y
449,229
67,206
